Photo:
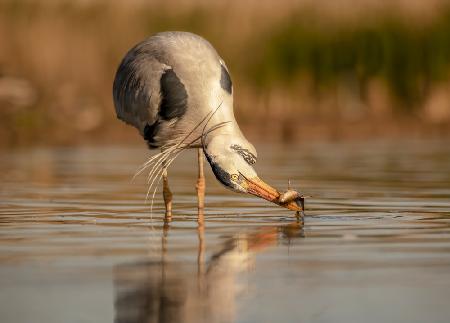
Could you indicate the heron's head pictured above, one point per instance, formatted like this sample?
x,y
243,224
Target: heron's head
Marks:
x,y
232,159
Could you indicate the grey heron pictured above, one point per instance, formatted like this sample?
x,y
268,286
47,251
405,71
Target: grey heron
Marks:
x,y
177,91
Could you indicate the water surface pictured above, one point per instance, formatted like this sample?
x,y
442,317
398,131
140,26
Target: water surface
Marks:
x,y
78,242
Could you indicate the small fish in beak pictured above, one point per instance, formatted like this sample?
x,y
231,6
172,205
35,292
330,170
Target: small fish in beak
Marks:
x,y
290,196
294,196
290,199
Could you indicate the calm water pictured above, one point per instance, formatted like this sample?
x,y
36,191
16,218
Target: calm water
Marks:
x,y
78,243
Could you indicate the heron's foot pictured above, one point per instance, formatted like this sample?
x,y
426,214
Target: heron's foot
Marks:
x,y
201,192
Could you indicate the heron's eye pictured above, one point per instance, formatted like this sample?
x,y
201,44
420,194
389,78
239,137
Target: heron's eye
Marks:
x,y
234,177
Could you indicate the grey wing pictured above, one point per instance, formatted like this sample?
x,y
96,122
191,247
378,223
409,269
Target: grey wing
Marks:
x,y
136,89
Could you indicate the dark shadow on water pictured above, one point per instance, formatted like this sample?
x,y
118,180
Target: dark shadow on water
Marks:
x,y
201,290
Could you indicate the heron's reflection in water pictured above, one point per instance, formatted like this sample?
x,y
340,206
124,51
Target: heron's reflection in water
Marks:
x,y
201,291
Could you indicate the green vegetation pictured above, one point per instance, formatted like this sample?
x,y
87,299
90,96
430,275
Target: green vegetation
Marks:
x,y
409,58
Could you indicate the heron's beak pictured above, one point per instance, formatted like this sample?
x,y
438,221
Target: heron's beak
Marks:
x,y
257,187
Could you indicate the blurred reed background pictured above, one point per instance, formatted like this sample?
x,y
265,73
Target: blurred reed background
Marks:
x,y
304,69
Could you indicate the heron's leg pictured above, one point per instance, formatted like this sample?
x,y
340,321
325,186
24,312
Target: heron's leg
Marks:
x,y
167,194
200,181
201,268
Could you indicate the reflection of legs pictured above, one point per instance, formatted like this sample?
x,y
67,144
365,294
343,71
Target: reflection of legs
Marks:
x,y
200,181
167,194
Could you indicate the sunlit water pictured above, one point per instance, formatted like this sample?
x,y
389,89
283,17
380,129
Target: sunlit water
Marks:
x,y
78,242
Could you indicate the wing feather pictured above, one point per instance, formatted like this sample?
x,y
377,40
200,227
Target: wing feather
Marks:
x,y
136,88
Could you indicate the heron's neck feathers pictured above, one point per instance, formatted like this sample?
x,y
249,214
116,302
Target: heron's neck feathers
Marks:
x,y
223,134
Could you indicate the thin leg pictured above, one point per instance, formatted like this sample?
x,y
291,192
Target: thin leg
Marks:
x,y
200,181
201,269
167,194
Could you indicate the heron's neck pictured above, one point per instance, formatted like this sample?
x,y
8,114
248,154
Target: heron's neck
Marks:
x,y
223,131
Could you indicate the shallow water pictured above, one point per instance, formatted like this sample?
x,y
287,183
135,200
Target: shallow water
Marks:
x,y
78,242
